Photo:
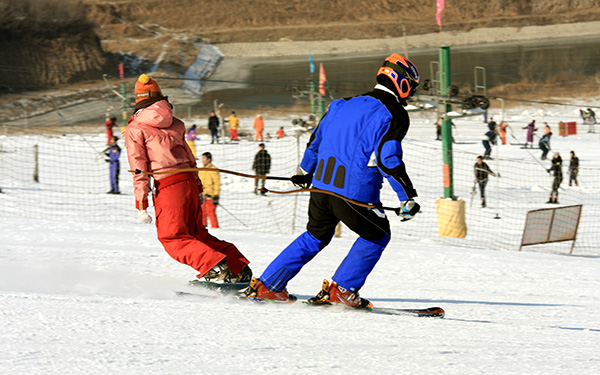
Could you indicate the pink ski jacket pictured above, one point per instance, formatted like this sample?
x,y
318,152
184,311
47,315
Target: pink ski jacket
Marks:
x,y
155,141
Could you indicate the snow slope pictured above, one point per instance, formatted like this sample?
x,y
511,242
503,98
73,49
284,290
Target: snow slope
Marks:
x,y
78,298
81,297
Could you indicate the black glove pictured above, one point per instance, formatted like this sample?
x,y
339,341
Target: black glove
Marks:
x,y
215,200
302,181
408,210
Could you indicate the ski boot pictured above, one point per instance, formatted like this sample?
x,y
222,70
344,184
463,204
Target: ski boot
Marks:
x,y
222,274
258,290
335,294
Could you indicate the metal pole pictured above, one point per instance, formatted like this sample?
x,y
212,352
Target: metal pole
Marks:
x,y
405,41
313,106
123,93
445,83
36,176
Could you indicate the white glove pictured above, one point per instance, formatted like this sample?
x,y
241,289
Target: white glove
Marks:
x,y
144,217
408,210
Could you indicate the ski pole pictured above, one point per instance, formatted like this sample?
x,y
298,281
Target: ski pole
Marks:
x,y
235,217
314,190
98,154
530,154
138,171
473,191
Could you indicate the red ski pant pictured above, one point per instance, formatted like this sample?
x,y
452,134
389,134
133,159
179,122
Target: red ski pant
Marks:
x,y
209,212
233,134
180,229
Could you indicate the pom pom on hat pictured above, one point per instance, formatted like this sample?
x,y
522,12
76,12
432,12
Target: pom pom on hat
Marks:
x,y
146,88
144,79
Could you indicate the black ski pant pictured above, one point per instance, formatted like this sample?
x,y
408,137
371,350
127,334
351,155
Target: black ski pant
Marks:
x,y
555,185
573,176
482,184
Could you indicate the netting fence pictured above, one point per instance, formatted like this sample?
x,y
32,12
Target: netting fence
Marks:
x,y
64,176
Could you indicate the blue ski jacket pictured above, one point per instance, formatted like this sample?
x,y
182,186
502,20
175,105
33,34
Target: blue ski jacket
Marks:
x,y
356,144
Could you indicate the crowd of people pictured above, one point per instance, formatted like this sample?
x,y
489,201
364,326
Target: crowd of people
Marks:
x,y
482,170
495,131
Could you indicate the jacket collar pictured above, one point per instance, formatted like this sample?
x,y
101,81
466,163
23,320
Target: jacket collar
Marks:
x,y
383,88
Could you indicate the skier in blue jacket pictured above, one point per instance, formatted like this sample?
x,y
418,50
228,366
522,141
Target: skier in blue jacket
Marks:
x,y
356,144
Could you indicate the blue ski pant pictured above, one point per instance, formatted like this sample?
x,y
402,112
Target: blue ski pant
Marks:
x,y
325,212
114,176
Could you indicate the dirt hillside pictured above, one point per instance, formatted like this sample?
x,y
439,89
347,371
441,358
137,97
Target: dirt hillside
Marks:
x,y
226,21
55,42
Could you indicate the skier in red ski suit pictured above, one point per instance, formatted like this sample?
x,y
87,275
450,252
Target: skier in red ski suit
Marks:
x,y
155,142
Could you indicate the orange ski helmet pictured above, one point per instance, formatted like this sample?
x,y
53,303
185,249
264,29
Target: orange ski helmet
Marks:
x,y
403,74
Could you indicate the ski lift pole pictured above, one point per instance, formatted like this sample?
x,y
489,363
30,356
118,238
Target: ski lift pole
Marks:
x,y
445,82
123,92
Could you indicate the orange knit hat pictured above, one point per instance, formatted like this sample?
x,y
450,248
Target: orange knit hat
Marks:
x,y
145,88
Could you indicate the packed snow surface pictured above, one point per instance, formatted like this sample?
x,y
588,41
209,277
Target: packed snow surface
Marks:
x,y
98,298
80,298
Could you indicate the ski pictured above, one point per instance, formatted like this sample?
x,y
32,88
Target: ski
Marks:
x,y
431,312
224,288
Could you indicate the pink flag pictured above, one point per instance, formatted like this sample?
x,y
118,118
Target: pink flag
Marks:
x,y
438,14
322,79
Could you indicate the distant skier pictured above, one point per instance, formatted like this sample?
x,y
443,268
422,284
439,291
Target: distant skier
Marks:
x,y
111,122
488,140
190,138
234,123
545,141
259,125
213,126
482,170
155,142
280,133
591,120
573,169
556,169
502,131
261,166
355,145
492,124
211,183
530,130
113,152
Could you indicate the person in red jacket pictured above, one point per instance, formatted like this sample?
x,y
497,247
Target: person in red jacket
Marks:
x,y
155,141
280,133
111,122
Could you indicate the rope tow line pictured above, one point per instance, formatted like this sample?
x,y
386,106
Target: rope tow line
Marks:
x,y
137,172
315,190
264,190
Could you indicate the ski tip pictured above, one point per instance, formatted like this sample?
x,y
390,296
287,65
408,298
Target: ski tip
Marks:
x,y
437,312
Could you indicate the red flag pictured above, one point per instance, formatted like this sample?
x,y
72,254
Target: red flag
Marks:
x,y
438,14
322,79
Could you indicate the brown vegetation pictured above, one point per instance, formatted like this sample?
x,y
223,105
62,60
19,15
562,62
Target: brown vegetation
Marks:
x,y
227,21
46,43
